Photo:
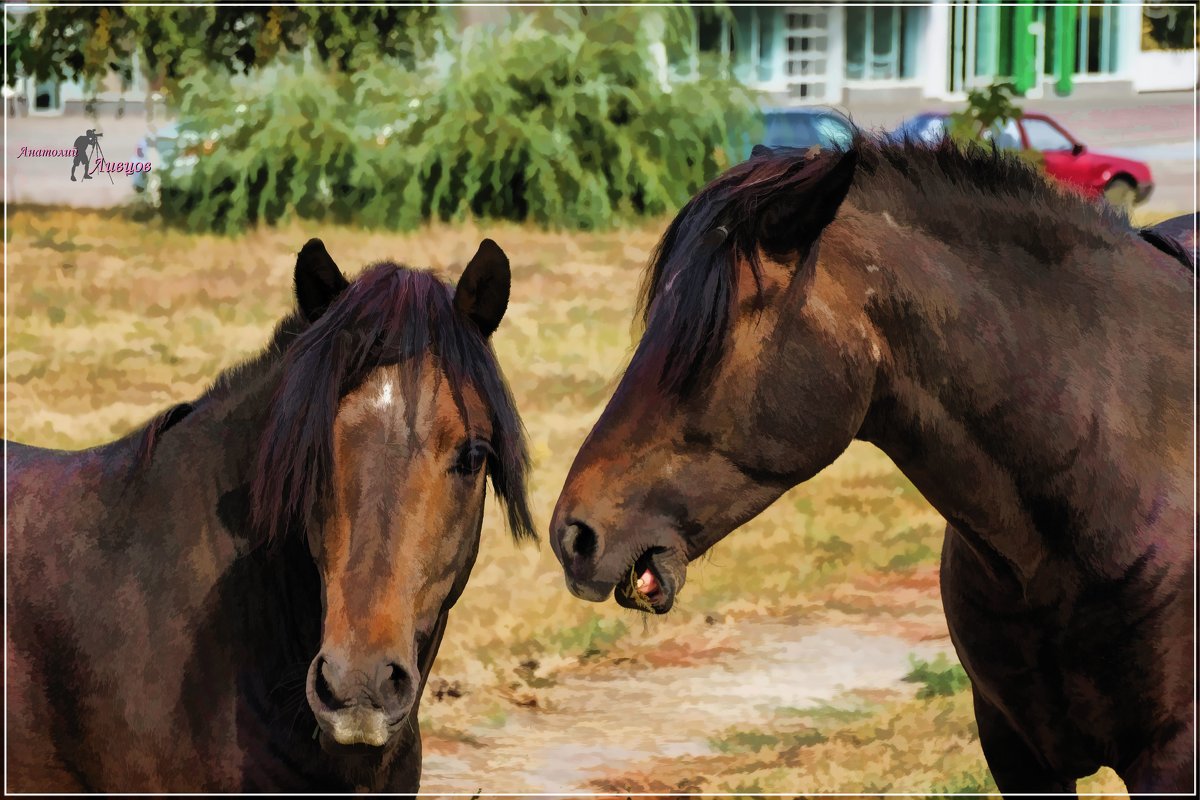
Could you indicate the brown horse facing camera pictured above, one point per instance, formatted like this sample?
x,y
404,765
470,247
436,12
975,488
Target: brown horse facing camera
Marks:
x,y
1023,356
249,593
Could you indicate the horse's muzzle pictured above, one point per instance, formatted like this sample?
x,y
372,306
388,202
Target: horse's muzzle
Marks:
x,y
355,707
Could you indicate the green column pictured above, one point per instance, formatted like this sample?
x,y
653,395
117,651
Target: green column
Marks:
x,y
987,39
1066,28
1024,43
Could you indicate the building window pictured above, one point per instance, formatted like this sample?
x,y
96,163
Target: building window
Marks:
x,y
712,32
47,97
1169,27
805,48
781,49
711,41
881,42
1097,49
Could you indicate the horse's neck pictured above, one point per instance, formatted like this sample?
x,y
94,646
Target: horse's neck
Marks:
x,y
266,573
189,506
259,625
952,403
1006,392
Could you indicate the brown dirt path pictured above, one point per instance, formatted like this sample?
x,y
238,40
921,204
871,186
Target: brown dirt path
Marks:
x,y
600,722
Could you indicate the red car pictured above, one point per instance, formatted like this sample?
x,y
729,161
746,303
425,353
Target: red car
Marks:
x,y
1122,181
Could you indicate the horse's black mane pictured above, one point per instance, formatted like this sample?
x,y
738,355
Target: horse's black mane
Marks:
x,y
390,315
691,281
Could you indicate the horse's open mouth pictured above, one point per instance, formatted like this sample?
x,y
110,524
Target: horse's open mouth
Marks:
x,y
651,583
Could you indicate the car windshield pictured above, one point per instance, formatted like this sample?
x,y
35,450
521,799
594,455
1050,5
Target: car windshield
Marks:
x,y
806,130
789,130
1044,136
833,131
1006,136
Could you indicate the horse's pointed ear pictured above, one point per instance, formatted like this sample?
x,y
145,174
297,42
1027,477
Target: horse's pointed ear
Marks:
x,y
318,279
793,220
760,150
482,291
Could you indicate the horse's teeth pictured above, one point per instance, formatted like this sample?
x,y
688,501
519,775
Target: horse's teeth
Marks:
x,y
647,583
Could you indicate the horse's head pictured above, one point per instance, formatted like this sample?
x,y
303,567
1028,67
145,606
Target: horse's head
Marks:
x,y
755,371
391,412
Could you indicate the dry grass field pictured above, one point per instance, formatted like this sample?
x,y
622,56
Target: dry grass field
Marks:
x,y
783,668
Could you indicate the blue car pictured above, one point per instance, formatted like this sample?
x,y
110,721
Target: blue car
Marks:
x,y
803,127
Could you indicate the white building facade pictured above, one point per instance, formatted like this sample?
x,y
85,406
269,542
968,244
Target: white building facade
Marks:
x,y
851,52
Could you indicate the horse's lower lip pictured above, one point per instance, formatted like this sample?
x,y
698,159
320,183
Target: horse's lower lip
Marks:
x,y
594,591
333,747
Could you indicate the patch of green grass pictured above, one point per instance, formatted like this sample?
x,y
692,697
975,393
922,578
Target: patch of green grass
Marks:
x,y
938,678
754,741
859,743
496,718
828,714
594,637
914,554
977,781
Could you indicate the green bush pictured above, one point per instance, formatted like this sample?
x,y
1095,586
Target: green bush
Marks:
x,y
559,119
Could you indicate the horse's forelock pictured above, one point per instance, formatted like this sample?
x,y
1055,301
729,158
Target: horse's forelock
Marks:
x,y
390,315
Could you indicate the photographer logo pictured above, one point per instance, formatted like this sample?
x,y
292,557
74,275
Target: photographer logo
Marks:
x,y
89,154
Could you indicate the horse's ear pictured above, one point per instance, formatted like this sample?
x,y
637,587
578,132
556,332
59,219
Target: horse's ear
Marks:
x,y
482,291
794,219
760,150
318,279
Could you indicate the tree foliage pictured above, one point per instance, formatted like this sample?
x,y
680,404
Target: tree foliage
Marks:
x,y
559,119
87,42
984,117
987,109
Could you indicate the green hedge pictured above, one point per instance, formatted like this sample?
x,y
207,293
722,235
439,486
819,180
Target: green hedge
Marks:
x,y
559,119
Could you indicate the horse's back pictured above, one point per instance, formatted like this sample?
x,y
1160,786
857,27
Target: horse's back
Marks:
x,y
43,487
1176,237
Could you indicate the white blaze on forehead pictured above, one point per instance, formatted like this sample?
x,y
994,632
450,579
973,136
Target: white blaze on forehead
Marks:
x,y
388,402
386,394
403,411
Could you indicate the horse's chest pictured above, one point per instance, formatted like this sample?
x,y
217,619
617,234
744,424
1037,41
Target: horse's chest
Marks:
x,y
1066,673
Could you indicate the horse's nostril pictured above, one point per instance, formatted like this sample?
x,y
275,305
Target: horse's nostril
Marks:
x,y
323,690
395,690
398,678
579,541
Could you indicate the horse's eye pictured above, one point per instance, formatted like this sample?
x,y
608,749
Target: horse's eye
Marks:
x,y
471,458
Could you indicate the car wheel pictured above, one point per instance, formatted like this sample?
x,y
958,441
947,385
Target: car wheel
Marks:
x,y
1121,193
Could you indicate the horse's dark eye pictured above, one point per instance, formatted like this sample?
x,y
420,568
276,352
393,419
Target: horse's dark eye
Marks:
x,y
471,458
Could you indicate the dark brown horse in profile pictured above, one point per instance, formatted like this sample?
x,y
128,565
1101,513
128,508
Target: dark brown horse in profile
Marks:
x,y
248,594
1023,356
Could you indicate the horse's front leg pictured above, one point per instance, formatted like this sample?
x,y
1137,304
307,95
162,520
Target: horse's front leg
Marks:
x,y
971,593
1015,767
1166,767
